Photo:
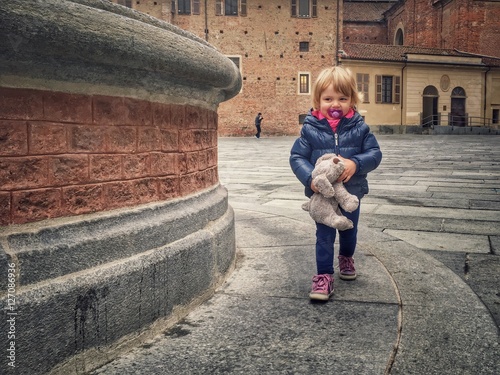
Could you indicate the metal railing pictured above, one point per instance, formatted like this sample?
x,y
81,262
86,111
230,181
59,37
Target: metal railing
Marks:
x,y
447,119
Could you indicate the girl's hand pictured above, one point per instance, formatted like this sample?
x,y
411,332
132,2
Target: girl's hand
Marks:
x,y
313,187
350,169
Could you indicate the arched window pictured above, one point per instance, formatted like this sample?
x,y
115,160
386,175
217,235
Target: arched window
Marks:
x,y
431,91
399,38
458,92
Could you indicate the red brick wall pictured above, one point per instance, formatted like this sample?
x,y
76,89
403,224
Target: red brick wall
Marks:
x,y
480,19
421,23
466,25
365,33
68,154
267,40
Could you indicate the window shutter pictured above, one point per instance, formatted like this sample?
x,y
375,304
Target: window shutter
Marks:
x,y
196,6
243,7
314,8
378,91
359,81
172,6
363,81
294,8
218,7
397,89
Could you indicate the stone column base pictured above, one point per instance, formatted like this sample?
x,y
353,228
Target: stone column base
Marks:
x,y
90,287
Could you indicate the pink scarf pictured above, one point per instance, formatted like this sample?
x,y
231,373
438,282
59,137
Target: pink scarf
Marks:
x,y
333,123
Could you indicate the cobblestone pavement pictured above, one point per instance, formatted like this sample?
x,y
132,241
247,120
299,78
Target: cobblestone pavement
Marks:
x,y
427,296
442,195
438,193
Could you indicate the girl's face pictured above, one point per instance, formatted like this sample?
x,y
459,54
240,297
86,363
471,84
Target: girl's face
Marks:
x,y
335,100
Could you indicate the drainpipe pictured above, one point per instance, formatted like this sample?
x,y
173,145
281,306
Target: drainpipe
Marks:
x,y
206,22
485,93
402,88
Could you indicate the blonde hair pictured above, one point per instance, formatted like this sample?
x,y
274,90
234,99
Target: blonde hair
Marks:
x,y
343,82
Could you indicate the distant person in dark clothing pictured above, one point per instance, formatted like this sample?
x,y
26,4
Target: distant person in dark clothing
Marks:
x,y
258,120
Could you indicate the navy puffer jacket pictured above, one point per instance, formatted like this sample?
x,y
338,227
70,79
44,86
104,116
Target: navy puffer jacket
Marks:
x,y
355,142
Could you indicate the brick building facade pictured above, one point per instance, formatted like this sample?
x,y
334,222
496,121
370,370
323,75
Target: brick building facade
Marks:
x,y
364,22
442,25
281,45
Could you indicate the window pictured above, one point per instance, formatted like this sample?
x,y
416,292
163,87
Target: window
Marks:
x,y
304,83
304,8
184,6
304,46
126,3
399,39
230,7
494,116
388,89
363,81
235,60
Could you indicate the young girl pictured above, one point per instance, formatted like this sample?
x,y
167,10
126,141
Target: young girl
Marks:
x,y
334,126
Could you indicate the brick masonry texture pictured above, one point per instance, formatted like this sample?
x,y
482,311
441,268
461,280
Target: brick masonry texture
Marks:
x,y
69,154
267,43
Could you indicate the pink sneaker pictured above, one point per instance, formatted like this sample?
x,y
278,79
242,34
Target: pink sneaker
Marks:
x,y
346,266
322,287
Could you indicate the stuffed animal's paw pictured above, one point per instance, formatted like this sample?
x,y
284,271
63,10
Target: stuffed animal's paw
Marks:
x,y
351,204
324,186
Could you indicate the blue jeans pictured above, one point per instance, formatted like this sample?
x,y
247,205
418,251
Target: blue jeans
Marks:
x,y
325,238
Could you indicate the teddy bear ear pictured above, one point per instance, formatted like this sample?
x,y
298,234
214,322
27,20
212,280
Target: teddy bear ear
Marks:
x,y
335,160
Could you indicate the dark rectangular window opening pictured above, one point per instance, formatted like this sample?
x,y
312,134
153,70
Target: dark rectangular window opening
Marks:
x,y
495,116
235,60
126,3
184,6
304,46
231,7
386,89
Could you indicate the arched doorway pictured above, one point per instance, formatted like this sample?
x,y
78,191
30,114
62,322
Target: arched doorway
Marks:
x,y
430,115
458,117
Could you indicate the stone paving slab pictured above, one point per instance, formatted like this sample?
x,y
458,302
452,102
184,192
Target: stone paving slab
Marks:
x,y
417,224
438,212
259,335
465,243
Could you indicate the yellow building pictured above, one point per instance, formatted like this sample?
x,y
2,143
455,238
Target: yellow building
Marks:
x,y
404,85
